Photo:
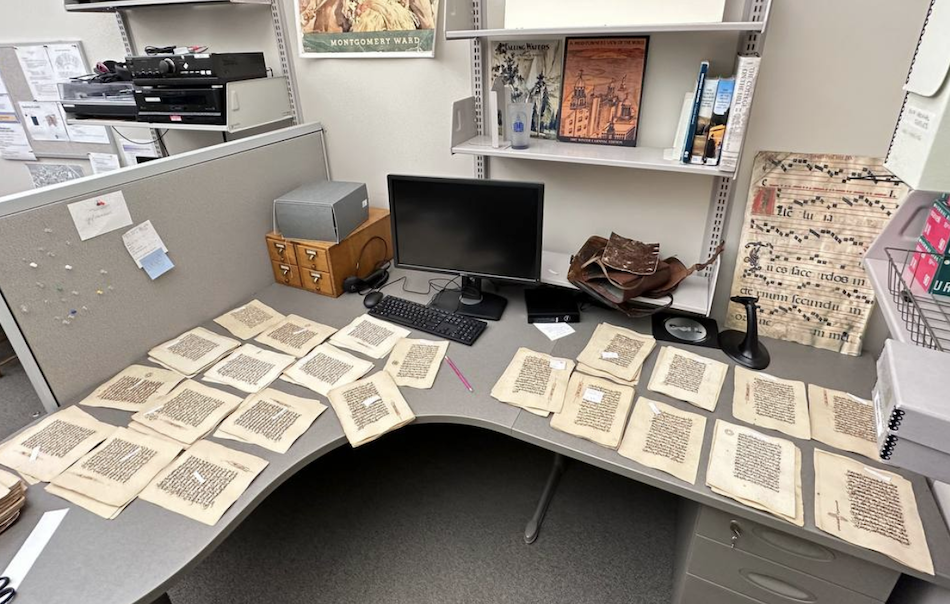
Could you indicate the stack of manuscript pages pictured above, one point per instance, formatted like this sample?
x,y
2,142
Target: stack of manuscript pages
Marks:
x,y
370,407
615,353
12,498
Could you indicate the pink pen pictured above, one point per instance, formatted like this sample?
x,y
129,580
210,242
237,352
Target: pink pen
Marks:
x,y
459,373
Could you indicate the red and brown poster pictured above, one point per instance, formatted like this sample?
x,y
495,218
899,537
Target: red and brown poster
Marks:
x,y
603,82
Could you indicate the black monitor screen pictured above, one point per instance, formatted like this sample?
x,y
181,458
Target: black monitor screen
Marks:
x,y
479,228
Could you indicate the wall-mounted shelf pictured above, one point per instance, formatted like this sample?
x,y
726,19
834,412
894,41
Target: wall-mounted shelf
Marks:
x,y
250,104
607,30
112,5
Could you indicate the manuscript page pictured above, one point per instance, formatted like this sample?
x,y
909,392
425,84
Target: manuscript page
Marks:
x,y
688,377
603,374
770,402
326,368
188,412
663,437
534,381
617,351
369,408
296,335
415,363
143,429
204,481
43,451
595,409
103,510
134,388
843,420
799,519
249,369
871,508
249,320
271,419
369,335
116,471
193,351
750,466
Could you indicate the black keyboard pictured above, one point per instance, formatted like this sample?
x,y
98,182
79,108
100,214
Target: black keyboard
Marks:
x,y
448,325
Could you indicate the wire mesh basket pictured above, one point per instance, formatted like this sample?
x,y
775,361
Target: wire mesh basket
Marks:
x,y
926,315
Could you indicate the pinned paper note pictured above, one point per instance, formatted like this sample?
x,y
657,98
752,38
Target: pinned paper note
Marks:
x,y
157,264
104,162
593,396
100,215
554,331
142,241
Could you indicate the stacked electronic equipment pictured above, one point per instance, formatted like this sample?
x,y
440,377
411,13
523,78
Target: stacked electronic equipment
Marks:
x,y
189,88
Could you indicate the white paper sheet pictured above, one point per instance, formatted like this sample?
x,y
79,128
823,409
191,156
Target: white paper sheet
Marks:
x,y
13,142
130,151
99,215
104,162
66,61
44,175
6,105
142,241
23,560
3,87
44,121
88,134
554,331
34,62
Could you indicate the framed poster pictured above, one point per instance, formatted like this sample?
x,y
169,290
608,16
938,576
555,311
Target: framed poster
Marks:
x,y
603,84
367,28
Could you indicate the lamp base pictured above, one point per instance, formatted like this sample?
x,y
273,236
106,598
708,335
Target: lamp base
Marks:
x,y
731,342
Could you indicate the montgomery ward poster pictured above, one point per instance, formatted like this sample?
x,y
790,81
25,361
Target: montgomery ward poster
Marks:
x,y
367,28
809,221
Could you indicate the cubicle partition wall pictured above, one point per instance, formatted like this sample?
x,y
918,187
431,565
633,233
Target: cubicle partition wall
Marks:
x,y
77,312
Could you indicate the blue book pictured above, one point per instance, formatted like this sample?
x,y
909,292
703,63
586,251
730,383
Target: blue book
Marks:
x,y
694,116
719,120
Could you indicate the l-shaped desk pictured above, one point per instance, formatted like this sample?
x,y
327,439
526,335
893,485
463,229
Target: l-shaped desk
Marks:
x,y
137,557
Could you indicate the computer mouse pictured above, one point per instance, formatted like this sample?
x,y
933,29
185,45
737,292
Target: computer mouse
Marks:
x,y
372,299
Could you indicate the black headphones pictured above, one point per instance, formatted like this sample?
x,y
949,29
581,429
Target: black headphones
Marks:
x,y
376,279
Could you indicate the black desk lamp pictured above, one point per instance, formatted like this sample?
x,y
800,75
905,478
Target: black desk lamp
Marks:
x,y
745,348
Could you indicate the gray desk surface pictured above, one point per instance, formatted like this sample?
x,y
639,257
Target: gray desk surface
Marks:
x,y
138,556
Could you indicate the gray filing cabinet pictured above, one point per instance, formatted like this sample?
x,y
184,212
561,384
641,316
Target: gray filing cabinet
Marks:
x,y
724,558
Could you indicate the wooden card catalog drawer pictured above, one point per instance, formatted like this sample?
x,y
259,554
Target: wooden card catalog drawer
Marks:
x,y
288,274
280,250
313,258
795,552
317,282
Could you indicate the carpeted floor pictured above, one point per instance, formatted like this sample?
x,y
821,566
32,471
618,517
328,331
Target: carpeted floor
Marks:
x,y
436,514
18,401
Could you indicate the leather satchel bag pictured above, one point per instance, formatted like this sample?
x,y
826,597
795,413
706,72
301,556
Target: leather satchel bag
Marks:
x,y
617,270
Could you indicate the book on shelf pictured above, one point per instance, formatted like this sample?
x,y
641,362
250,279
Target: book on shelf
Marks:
x,y
694,113
703,120
747,71
532,72
679,139
720,117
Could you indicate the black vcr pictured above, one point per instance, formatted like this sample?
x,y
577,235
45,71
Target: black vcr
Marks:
x,y
196,69
181,105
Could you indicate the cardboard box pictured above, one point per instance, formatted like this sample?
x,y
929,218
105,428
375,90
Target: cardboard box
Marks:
x,y
937,228
322,211
920,147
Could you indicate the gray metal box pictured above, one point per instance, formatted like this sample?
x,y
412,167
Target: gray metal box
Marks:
x,y
322,211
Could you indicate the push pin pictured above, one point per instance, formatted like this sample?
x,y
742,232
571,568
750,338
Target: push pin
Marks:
x,y
68,267
99,292
33,265
47,230
103,271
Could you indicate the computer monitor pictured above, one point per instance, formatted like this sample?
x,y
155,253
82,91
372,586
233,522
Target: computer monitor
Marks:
x,y
478,229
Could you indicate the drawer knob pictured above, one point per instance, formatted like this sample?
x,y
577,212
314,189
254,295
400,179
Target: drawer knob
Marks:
x,y
736,533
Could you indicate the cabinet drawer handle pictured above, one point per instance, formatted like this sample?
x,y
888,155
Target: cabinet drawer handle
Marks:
x,y
311,254
778,587
736,533
281,248
316,276
794,545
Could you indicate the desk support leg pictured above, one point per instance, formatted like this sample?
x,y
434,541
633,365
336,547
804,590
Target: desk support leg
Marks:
x,y
164,599
534,525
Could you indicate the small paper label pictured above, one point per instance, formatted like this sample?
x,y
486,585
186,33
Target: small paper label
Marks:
x,y
365,203
654,408
198,477
609,355
593,396
130,454
35,453
877,474
301,330
279,413
558,364
155,410
371,400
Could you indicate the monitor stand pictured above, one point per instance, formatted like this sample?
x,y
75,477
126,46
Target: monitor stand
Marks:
x,y
471,301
